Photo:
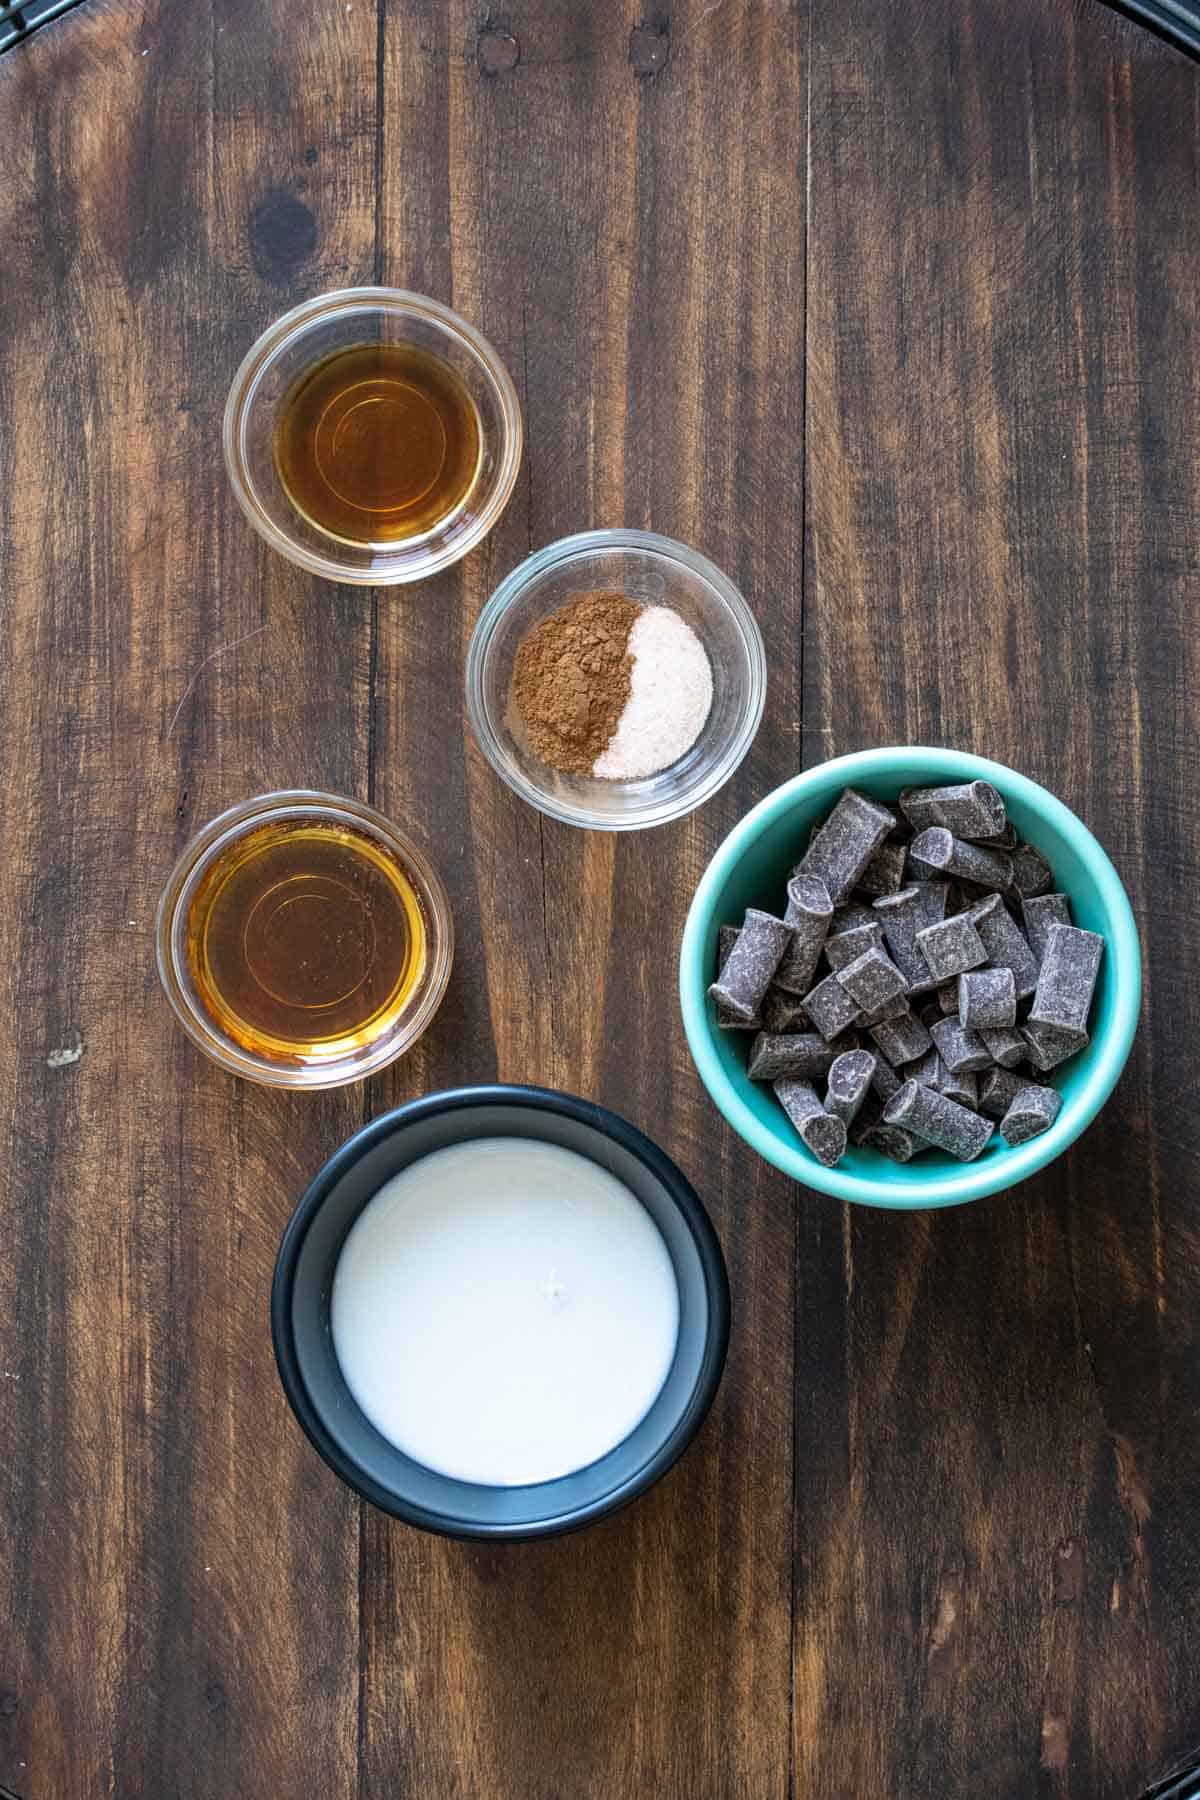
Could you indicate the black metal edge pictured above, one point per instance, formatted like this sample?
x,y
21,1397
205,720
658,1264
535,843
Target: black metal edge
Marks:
x,y
19,19
1177,22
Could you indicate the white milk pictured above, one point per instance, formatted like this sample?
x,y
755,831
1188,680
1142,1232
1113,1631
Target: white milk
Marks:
x,y
504,1311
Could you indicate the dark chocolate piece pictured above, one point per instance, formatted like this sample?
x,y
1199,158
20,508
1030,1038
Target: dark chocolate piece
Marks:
x,y
884,874
752,962
929,1115
849,1083
872,980
1040,912
819,1130
987,997
787,1053
902,1040
970,809
997,1091
962,1051
1033,1111
830,1007
951,947
1032,874
842,847
1046,1046
1067,978
1005,943
1006,1045
847,946
939,850
809,910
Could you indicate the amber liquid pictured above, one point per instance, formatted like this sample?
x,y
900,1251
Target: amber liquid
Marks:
x,y
305,940
378,443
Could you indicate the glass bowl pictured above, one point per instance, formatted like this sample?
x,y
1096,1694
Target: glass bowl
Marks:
x,y
295,344
656,571
338,1060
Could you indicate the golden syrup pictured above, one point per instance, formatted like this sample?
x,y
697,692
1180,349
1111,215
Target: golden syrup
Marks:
x,y
305,940
378,443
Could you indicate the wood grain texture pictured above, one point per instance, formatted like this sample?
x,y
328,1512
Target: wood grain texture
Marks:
x,y
179,1585
996,1585
532,177
939,1536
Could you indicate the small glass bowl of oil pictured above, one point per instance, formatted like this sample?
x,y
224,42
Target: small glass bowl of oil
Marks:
x,y
372,436
303,941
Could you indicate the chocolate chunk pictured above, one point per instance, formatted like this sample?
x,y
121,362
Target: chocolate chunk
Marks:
x,y
901,1040
842,847
997,1091
1040,912
885,1082
809,910
892,1141
1000,840
850,917
830,1007
819,1130
938,850
1033,1111
951,947
1046,1046
1031,873
727,937
1006,1045
1005,943
849,1082
987,997
962,1051
902,915
1067,978
970,809
962,1088
788,1053
784,1012
884,874
929,1115
848,946
752,962
872,980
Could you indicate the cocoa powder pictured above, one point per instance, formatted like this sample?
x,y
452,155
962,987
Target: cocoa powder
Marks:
x,y
571,679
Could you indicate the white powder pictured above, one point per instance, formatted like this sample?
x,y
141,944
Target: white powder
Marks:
x,y
670,694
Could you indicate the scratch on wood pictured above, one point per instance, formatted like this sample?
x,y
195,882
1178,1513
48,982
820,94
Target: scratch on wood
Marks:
x,y
70,1053
211,657
1056,1743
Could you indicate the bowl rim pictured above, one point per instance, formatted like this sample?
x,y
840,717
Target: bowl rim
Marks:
x,y
533,1099
973,1181
226,827
291,326
570,549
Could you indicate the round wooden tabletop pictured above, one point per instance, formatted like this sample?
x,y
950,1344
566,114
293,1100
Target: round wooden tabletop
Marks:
x,y
893,311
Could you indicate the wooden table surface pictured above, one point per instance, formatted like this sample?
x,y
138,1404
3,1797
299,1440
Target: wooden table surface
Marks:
x,y
893,310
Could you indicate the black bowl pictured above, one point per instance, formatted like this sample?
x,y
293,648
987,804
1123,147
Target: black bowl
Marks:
x,y
309,1369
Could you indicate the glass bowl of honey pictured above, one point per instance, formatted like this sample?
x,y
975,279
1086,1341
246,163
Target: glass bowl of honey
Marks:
x,y
372,436
303,940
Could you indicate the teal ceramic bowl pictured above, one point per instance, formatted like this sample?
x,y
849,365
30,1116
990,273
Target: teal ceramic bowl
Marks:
x,y
751,869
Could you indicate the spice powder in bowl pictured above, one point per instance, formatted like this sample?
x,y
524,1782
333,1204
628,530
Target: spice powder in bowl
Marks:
x,y
611,688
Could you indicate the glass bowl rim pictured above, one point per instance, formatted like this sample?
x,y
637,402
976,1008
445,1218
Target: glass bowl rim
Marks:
x,y
563,552
290,328
197,854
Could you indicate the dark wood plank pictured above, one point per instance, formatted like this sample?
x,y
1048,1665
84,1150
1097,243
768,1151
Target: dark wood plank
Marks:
x,y
179,1588
997,1537
614,233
